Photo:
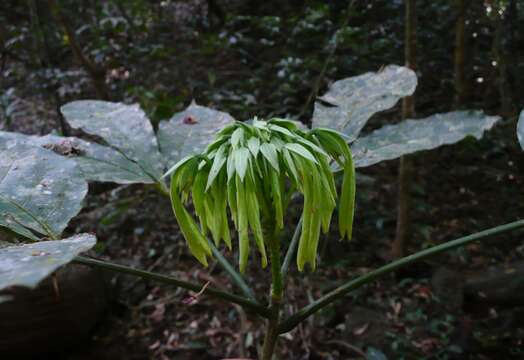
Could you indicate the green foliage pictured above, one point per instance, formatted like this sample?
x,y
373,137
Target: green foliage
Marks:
x,y
254,169
250,169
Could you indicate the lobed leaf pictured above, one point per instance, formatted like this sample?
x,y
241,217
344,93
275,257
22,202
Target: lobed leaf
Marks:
x,y
189,132
124,127
409,136
96,162
350,103
28,264
39,190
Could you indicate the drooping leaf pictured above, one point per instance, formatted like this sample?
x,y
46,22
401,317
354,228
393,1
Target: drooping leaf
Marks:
x,y
190,131
520,129
253,145
96,162
218,162
351,102
241,157
39,190
28,264
124,127
196,241
302,151
409,136
269,151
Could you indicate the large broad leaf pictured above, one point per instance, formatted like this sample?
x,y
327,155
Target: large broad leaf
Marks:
x,y
520,129
409,136
124,127
351,102
97,162
190,131
39,190
28,264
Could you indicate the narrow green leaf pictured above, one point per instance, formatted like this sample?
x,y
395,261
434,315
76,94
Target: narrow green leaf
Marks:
x,y
254,145
241,157
347,200
290,165
288,124
281,130
237,138
177,165
254,218
232,200
230,166
276,194
218,163
269,151
195,239
302,151
243,236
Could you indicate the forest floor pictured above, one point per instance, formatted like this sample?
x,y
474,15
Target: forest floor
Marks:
x,y
420,313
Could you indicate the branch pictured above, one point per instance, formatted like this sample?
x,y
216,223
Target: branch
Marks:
x,y
349,286
235,275
246,303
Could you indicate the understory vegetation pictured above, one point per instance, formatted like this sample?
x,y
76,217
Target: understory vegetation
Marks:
x,y
235,179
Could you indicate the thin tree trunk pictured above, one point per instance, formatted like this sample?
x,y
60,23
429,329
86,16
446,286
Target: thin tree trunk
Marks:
x,y
500,55
96,72
460,53
408,111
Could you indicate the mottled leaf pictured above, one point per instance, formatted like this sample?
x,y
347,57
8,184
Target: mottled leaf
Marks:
x,y
190,131
28,264
520,129
39,190
409,136
351,102
96,162
124,127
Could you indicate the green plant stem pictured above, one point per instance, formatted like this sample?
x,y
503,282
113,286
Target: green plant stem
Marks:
x,y
235,275
161,187
349,286
235,299
291,249
277,292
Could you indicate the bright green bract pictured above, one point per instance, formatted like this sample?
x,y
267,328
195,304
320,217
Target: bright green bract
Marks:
x,y
253,169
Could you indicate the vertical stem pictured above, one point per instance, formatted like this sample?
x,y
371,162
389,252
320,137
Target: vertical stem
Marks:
x,y
408,111
277,292
460,53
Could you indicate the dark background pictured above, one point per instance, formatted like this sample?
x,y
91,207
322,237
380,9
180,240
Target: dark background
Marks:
x,y
271,58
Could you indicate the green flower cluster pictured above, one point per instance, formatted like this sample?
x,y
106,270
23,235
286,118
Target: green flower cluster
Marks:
x,y
254,169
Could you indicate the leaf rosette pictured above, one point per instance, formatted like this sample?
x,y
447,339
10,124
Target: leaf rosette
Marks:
x,y
251,171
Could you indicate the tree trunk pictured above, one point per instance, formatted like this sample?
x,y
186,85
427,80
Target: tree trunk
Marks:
x,y
501,56
460,53
97,73
408,111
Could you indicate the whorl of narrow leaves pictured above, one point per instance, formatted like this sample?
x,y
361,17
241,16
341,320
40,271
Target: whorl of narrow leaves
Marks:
x,y
253,169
